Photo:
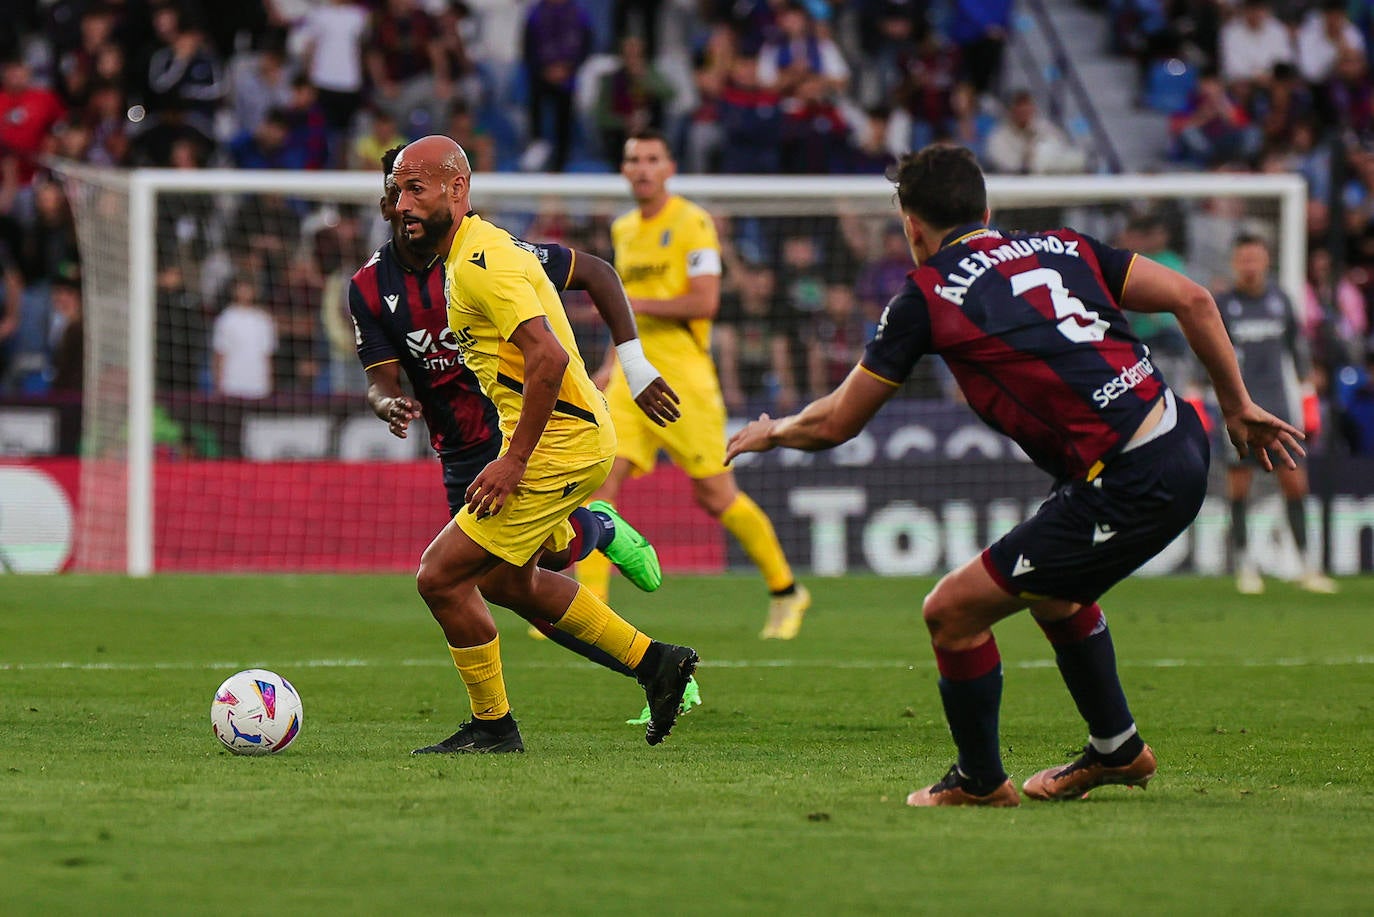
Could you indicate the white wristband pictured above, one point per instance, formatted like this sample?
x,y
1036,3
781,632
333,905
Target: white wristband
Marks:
x,y
639,372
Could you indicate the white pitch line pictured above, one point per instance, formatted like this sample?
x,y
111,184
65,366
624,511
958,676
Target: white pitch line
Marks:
x,y
436,662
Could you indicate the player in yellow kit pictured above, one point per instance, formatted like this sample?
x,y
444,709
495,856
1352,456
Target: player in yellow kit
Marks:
x,y
557,447
668,257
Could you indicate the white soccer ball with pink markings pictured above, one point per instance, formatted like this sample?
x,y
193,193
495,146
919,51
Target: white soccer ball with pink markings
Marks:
x,y
256,712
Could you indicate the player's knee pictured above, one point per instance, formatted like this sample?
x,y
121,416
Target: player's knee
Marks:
x,y
939,611
433,581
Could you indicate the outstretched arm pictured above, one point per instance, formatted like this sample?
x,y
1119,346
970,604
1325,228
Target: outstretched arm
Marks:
x,y
702,300
824,423
654,396
1151,287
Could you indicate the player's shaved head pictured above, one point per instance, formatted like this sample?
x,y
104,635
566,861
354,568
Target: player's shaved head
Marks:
x,y
432,177
436,156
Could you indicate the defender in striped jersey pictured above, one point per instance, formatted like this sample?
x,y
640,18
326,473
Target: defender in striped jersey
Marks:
x,y
1031,325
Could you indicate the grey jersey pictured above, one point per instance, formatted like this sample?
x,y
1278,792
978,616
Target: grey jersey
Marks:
x,y
1272,352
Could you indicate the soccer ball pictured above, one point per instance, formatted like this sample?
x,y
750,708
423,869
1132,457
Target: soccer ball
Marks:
x,y
256,712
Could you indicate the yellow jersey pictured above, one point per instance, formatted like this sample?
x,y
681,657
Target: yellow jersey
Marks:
x,y
656,258
493,283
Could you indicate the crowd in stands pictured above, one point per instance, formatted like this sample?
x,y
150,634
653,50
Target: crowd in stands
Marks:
x,y
251,297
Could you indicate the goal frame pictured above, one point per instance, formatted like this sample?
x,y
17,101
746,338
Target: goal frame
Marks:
x,y
145,185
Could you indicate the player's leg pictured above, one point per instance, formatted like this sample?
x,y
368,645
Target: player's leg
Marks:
x,y
720,496
663,669
594,571
1086,657
598,527
447,581
1239,477
1293,484
959,613
1088,537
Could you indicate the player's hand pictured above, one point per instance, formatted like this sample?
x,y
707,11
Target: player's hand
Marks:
x,y
659,402
488,491
755,437
398,414
1254,428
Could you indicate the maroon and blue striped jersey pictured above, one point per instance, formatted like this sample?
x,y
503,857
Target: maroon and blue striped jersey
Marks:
x,y
1031,326
401,316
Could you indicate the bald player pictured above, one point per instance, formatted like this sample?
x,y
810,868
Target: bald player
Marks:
x,y
558,445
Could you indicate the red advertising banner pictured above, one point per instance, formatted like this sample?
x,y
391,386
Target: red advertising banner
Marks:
x,y
312,516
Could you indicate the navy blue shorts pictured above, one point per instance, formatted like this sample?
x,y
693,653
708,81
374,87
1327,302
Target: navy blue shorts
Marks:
x,y
462,466
1089,536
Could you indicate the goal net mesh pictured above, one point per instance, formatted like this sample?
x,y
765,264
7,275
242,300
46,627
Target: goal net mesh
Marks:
x,y
266,456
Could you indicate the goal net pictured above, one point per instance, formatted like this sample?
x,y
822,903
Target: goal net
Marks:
x,y
225,421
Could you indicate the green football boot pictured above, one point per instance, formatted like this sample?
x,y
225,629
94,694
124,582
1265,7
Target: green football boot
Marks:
x,y
630,551
691,697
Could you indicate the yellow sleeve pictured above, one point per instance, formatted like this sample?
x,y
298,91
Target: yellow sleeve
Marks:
x,y
498,284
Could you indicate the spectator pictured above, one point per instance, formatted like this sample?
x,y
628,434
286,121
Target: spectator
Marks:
x,y
750,122
67,336
799,52
76,66
834,339
1277,106
1324,35
1025,143
107,118
931,74
1349,98
710,74
409,66
329,38
980,28
309,127
182,331
49,245
1252,42
646,12
876,142
154,145
1214,129
259,85
631,98
557,40
1335,319
269,147
186,69
803,286
243,341
752,341
11,298
472,136
381,136
27,115
888,32
878,278
814,132
295,306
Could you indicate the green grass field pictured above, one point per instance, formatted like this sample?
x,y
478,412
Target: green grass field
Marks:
x,y
783,794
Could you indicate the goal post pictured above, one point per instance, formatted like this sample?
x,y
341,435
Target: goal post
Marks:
x,y
129,241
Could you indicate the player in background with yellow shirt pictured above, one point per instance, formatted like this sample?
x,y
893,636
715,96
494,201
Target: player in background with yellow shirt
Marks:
x,y
668,256
558,444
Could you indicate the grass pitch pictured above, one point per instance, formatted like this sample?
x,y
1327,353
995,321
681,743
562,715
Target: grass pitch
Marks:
x,y
782,794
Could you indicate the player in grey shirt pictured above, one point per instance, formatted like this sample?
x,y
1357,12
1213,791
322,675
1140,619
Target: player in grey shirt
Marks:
x,y
1277,367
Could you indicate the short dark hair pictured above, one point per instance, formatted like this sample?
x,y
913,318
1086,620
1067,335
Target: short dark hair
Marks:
x,y
389,159
942,185
649,133
1249,238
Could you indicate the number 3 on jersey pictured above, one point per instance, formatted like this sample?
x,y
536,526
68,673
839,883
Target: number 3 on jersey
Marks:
x,y
1078,323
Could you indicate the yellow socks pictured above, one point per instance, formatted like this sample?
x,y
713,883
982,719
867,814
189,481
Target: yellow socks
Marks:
x,y
594,573
592,621
480,667
751,528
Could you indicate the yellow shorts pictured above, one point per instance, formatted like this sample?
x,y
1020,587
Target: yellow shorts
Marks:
x,y
695,442
535,516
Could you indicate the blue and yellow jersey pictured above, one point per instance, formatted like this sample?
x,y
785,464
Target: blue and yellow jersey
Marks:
x,y
494,283
656,258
